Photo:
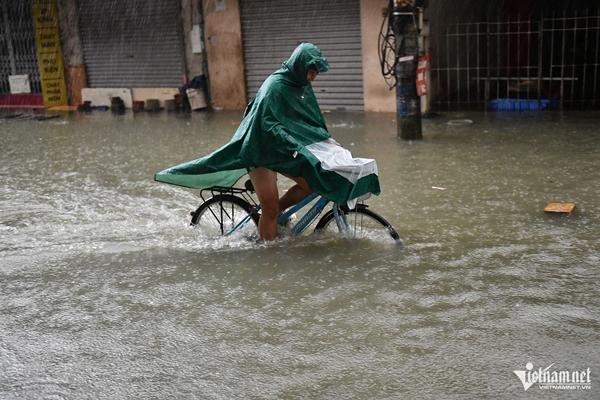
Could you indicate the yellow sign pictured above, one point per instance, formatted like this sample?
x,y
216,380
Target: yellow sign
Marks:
x,y
47,39
54,92
50,59
51,66
44,14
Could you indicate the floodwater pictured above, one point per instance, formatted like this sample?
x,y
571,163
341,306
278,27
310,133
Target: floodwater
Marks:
x,y
107,293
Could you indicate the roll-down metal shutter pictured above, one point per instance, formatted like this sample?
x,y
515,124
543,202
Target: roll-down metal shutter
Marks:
x,y
271,29
133,43
18,54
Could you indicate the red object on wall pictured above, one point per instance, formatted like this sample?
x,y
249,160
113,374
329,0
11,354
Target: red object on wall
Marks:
x,y
422,75
519,42
24,100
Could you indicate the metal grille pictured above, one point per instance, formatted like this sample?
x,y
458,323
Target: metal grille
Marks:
x,y
17,44
134,43
554,58
272,29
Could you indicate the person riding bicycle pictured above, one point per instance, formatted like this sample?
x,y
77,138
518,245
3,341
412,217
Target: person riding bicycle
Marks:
x,y
283,131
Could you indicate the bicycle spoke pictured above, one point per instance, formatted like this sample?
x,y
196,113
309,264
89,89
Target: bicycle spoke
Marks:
x,y
221,222
231,216
366,225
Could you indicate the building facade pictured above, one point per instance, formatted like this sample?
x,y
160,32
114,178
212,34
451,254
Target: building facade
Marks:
x,y
150,48
260,34
508,53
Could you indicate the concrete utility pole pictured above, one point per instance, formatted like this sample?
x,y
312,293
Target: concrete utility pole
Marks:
x,y
408,108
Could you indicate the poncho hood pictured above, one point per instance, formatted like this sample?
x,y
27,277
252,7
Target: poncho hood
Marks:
x,y
304,57
283,129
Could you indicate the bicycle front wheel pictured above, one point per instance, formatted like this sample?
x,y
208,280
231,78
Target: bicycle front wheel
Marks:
x,y
362,223
223,215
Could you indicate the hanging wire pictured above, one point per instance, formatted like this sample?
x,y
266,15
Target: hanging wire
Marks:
x,y
386,46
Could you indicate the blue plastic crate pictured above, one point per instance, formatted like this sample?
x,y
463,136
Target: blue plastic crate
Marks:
x,y
518,105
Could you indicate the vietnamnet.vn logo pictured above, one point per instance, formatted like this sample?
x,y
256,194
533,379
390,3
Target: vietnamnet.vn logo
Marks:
x,y
546,378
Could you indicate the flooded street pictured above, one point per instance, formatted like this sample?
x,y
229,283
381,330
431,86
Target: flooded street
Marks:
x,y
106,292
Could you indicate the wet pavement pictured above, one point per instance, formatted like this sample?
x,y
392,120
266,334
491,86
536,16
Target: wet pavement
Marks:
x,y
106,292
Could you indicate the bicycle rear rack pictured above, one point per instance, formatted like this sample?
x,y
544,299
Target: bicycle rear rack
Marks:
x,y
242,192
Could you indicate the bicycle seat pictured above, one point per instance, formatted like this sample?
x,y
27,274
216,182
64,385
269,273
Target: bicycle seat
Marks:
x,y
249,186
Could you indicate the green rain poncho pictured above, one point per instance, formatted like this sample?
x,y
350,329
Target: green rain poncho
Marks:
x,y
283,130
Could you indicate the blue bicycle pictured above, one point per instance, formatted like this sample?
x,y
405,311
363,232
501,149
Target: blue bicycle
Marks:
x,y
229,210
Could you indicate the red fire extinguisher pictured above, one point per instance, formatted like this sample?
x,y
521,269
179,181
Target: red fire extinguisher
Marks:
x,y
422,75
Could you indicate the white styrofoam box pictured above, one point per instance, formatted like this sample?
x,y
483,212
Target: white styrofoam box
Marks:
x,y
162,94
19,84
101,96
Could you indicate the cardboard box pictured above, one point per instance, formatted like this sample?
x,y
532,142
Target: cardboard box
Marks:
x,y
197,99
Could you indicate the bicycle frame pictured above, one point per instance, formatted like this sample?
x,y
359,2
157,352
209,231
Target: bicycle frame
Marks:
x,y
306,220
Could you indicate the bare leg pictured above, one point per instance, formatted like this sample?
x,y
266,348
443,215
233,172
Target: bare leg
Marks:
x,y
295,194
264,181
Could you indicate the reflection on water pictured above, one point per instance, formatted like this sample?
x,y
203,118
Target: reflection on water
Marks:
x,y
107,292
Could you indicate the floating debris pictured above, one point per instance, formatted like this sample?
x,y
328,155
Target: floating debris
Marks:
x,y
460,122
438,188
45,117
23,116
63,108
564,208
11,116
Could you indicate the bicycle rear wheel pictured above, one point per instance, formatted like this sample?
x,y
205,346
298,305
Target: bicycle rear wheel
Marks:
x,y
225,214
362,223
